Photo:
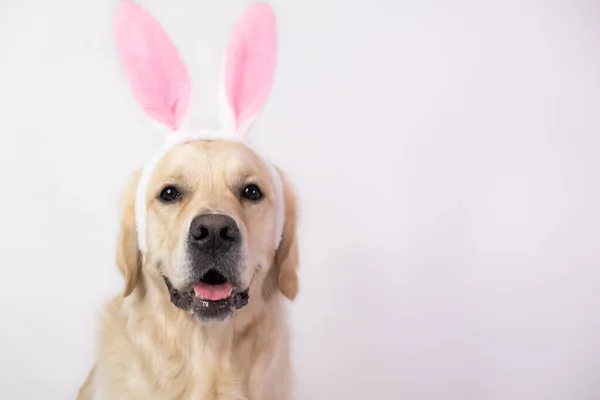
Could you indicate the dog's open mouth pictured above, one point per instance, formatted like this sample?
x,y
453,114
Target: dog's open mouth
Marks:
x,y
213,286
213,297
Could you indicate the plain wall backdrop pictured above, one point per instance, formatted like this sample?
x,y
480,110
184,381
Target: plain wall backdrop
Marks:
x,y
447,156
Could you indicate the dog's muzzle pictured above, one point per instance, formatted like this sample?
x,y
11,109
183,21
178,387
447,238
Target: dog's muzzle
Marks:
x,y
214,252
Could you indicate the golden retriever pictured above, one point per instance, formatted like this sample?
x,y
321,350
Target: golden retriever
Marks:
x,y
202,314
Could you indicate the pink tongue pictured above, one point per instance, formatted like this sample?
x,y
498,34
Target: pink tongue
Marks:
x,y
212,292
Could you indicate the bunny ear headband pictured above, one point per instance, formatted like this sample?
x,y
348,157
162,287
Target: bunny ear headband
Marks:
x,y
161,85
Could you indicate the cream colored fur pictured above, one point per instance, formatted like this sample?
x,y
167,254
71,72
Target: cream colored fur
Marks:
x,y
149,349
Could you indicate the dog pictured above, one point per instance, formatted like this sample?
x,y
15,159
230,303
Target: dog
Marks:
x,y
208,244
175,332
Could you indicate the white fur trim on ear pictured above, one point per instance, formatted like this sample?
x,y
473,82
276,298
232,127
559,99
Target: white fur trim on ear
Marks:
x,y
226,117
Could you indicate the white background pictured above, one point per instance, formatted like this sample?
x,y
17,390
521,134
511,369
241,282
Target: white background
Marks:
x,y
447,159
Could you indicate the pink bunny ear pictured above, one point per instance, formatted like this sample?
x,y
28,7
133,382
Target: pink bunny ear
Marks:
x,y
157,76
250,64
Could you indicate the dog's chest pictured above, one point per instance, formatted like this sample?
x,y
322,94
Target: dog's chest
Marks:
x,y
159,371
203,374
168,378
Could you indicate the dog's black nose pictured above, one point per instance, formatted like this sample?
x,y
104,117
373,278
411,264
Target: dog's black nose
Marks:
x,y
214,233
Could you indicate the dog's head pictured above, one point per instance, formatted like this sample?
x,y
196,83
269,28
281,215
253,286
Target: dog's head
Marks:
x,y
211,224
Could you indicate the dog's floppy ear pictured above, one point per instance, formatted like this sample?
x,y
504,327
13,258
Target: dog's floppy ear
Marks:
x,y
128,254
286,257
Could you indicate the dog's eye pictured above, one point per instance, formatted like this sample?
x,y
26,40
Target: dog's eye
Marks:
x,y
252,192
169,194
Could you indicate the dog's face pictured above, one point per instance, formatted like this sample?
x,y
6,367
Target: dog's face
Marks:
x,y
211,230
